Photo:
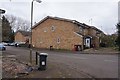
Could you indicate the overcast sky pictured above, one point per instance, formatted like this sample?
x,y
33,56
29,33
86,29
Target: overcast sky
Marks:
x,y
100,13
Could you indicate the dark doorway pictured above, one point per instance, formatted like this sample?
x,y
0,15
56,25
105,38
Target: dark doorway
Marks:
x,y
51,47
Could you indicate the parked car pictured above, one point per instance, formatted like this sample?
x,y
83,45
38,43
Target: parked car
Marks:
x,y
12,44
4,43
2,47
19,44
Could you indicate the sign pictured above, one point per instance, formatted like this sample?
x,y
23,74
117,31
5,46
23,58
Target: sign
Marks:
x,y
43,63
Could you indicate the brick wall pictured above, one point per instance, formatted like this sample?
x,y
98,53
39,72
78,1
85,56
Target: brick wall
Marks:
x,y
19,37
56,33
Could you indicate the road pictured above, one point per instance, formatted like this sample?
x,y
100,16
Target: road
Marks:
x,y
71,64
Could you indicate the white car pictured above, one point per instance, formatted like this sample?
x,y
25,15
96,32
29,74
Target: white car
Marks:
x,y
5,44
2,47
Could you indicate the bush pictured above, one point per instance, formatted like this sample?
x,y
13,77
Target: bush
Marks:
x,y
103,45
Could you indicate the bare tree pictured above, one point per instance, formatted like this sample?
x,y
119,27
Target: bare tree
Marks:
x,y
18,23
12,20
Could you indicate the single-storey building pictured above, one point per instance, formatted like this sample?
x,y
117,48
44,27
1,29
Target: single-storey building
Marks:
x,y
60,33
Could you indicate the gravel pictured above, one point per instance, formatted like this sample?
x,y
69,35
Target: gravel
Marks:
x,y
12,68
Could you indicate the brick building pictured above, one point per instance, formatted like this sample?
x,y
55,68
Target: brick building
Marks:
x,y
60,33
22,36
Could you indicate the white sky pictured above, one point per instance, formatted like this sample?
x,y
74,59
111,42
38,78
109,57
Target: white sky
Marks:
x,y
104,13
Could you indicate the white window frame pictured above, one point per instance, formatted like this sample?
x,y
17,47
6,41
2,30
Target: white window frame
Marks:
x,y
53,28
45,29
40,40
58,40
80,29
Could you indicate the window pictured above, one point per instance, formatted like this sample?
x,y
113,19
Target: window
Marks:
x,y
87,41
81,29
40,40
53,28
98,33
58,40
45,29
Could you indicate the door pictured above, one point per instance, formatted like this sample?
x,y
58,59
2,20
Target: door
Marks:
x,y
87,42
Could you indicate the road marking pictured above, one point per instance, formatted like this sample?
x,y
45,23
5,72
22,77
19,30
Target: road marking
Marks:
x,y
110,61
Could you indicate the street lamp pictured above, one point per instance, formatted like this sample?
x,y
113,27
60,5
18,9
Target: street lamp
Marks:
x,y
2,11
39,1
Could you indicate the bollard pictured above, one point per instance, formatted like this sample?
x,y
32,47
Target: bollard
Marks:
x,y
36,58
30,56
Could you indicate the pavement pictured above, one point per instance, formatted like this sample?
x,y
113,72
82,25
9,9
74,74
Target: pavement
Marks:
x,y
109,50
69,64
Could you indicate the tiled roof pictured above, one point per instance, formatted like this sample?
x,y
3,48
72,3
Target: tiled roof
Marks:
x,y
68,20
25,33
57,18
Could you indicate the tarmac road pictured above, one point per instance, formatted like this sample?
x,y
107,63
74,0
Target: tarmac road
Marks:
x,y
71,64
